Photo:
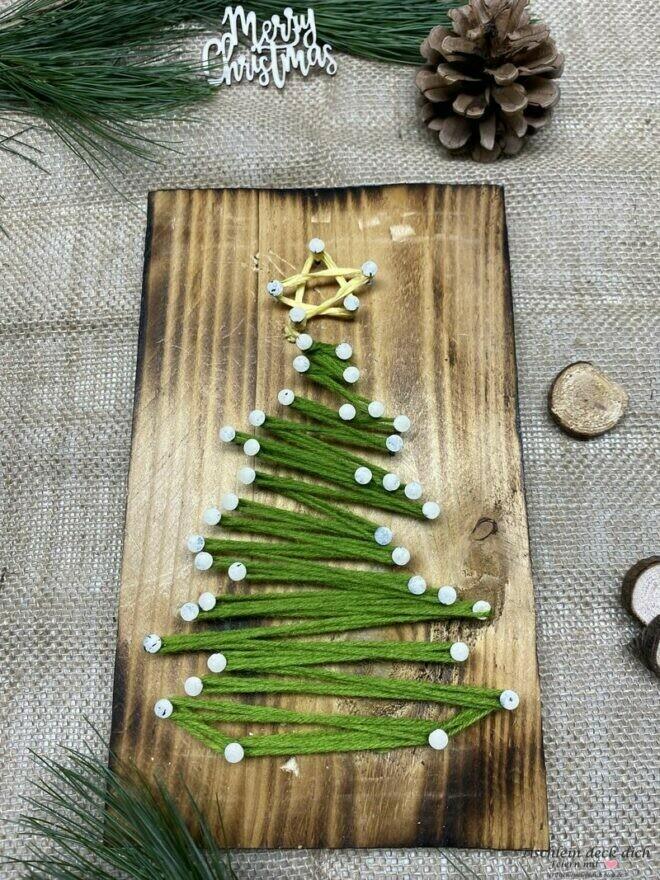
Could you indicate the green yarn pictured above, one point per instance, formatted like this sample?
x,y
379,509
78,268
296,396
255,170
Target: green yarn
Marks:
x,y
326,604
339,434
320,377
354,732
301,680
314,456
336,520
295,571
325,526
301,547
218,640
255,656
320,413
317,446
298,490
391,736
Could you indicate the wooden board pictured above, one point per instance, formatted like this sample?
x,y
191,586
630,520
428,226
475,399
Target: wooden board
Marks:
x,y
435,340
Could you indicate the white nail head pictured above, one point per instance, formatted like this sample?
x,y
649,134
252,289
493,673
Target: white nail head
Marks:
x,y
431,509
394,443
413,490
256,418
193,686
207,601
369,268
230,501
383,536
251,447
227,433
217,663
275,289
402,424
347,412
247,475
351,303
211,517
481,609
237,572
459,651
509,700
446,595
376,409
195,543
363,476
344,351
351,375
234,753
316,246
417,585
304,341
152,643
203,561
301,363
285,397
189,611
163,708
297,314
438,739
401,556
391,482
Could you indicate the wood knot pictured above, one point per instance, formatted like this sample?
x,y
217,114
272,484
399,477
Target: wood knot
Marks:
x,y
484,528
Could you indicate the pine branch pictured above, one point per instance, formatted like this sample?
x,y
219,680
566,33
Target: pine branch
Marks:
x,y
94,70
90,821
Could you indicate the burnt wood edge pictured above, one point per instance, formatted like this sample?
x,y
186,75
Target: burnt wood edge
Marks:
x,y
118,692
508,298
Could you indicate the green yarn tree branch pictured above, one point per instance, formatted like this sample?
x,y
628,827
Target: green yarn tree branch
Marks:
x,y
358,733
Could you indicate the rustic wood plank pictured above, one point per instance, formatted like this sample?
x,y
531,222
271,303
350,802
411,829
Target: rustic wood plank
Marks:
x,y
435,339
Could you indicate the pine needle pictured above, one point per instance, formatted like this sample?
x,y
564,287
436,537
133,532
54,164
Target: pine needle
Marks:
x,y
383,30
90,822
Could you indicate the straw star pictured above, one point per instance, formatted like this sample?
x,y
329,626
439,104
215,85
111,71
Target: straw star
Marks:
x,y
319,268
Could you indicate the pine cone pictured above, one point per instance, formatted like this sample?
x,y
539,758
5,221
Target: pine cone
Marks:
x,y
488,85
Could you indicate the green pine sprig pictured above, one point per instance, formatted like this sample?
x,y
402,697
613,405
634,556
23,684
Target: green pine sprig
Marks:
x,y
94,71
91,821
383,30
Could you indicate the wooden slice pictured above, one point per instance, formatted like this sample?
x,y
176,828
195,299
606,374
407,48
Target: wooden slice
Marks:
x,y
648,644
585,402
640,590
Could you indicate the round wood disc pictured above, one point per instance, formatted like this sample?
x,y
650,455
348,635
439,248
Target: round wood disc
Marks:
x,y
640,590
648,644
585,402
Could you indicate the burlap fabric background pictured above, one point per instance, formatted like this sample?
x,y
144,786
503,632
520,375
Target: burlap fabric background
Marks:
x,y
583,214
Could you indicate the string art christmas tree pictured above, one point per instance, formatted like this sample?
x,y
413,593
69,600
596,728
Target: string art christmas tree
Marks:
x,y
284,649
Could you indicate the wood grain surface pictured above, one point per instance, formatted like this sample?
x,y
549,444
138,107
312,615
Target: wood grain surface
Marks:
x,y
434,339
